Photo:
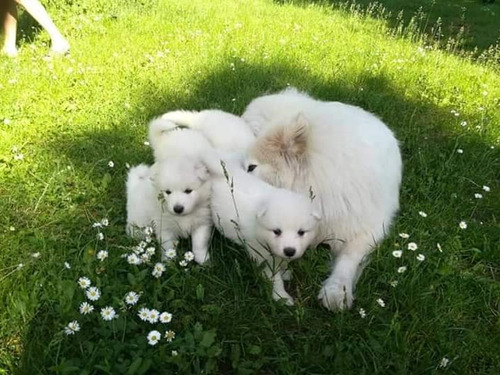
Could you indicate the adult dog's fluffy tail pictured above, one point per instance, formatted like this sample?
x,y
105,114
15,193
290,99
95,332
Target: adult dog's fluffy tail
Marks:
x,y
182,118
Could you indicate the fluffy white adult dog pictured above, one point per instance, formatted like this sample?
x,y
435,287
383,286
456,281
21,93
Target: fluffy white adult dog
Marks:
x,y
276,225
173,197
225,131
347,158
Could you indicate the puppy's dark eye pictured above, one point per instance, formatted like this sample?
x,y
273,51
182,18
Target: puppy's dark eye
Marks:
x,y
188,191
301,232
168,192
277,232
251,167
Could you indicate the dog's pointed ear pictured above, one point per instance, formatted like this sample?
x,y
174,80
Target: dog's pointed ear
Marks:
x,y
316,215
201,172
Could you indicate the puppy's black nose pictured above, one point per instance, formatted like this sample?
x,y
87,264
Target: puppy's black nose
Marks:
x,y
178,209
289,251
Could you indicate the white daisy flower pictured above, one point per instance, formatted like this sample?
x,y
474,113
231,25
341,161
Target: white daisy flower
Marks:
x,y
86,308
143,244
150,251
174,353
486,188
145,258
93,293
131,298
111,164
397,253
165,317
148,231
154,337
170,254
404,235
146,143
412,246
402,269
183,263
36,255
96,225
462,225
169,335
108,313
463,123
133,259
153,316
143,314
105,222
394,283
381,302
100,236
422,213
20,265
420,257
84,282
362,313
444,362
460,151
478,196
148,238
66,264
101,255
71,328
188,256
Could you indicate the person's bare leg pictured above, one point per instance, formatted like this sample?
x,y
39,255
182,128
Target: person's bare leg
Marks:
x,y
8,17
38,12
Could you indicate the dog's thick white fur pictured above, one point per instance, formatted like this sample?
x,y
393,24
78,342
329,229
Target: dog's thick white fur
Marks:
x,y
347,158
276,225
173,197
225,131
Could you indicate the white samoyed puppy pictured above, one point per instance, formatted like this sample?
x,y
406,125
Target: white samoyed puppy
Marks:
x,y
344,156
276,225
173,197
225,131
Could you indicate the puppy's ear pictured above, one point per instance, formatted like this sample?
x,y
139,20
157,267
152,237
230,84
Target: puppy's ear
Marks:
x,y
316,215
201,172
261,212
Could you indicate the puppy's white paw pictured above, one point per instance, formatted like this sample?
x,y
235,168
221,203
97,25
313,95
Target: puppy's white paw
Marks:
x,y
282,295
336,296
201,256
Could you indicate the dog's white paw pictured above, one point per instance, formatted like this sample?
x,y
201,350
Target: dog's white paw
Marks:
x,y
282,295
336,296
201,256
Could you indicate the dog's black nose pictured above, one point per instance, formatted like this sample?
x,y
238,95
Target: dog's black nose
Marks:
x,y
178,209
289,251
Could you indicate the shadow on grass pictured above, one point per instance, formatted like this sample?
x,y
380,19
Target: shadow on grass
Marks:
x,y
428,144
474,22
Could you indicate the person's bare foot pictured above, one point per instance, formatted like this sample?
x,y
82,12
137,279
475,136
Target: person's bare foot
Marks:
x,y
60,47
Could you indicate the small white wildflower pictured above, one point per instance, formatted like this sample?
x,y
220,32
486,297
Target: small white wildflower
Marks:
x,y
420,257
463,123
170,254
101,255
397,253
72,327
96,225
131,298
154,337
381,302
153,316
111,164
439,247
165,317
108,313
145,257
412,246
402,269
19,157
422,213
6,121
362,313
143,314
394,283
12,229
478,196
174,353
127,165
148,238
86,308
36,255
404,235
143,244
462,225
84,282
188,256
183,263
169,335
133,259
146,143
20,265
460,151
105,222
148,231
444,362
486,188
151,251
67,265
100,236
93,293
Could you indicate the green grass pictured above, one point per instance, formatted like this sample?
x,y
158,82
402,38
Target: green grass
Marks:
x,y
70,116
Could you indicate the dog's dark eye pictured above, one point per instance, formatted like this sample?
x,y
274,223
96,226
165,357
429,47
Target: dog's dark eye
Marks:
x,y
168,192
301,232
188,191
277,232
251,167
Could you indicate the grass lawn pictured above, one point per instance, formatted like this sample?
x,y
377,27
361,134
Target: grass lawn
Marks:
x,y
63,120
